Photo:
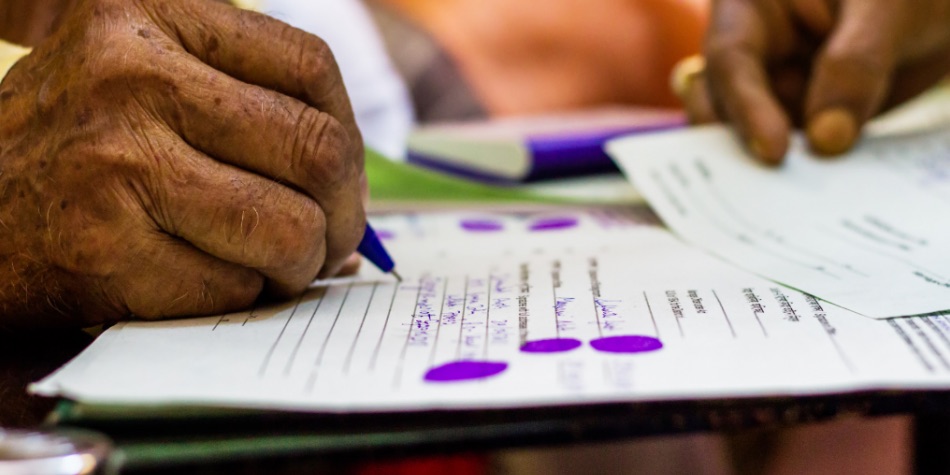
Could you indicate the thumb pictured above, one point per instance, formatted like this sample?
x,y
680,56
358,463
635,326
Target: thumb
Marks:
x,y
852,74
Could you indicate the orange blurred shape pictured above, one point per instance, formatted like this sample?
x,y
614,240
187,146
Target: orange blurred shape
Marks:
x,y
525,56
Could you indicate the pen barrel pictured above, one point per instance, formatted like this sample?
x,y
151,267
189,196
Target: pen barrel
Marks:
x,y
372,249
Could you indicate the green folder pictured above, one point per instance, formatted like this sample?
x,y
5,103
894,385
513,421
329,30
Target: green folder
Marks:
x,y
393,181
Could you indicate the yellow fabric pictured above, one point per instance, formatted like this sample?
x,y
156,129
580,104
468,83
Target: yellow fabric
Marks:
x,y
9,55
248,4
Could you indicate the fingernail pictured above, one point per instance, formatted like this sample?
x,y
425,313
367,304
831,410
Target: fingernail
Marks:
x,y
832,131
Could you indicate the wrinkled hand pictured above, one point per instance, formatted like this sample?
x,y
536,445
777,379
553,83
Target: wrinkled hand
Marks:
x,y
171,158
828,65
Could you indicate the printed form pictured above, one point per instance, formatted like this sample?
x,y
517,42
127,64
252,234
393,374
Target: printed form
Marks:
x,y
514,310
868,231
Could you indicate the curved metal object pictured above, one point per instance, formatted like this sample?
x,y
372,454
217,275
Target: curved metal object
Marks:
x,y
66,452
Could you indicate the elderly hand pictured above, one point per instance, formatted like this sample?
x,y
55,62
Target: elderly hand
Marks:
x,y
171,158
829,65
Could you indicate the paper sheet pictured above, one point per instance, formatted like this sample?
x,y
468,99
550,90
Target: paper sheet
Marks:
x,y
511,310
868,231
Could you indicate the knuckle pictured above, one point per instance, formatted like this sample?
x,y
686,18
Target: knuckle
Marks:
x,y
119,53
296,243
321,150
315,56
321,51
315,71
125,62
124,76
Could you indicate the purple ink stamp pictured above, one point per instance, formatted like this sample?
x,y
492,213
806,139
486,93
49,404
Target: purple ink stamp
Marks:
x,y
626,344
551,224
464,371
385,234
550,345
482,225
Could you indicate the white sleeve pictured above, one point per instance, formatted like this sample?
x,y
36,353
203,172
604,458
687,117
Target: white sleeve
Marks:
x,y
379,96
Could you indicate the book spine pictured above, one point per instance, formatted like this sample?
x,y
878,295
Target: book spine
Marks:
x,y
562,156
462,171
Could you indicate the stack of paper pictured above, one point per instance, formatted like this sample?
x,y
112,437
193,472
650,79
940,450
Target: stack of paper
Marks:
x,y
515,310
867,231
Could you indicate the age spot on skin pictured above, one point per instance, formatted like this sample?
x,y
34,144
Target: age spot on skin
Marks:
x,y
82,118
212,44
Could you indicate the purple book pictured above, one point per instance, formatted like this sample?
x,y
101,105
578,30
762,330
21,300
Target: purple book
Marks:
x,y
521,149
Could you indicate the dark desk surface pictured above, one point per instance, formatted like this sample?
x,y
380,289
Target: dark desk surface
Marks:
x,y
26,358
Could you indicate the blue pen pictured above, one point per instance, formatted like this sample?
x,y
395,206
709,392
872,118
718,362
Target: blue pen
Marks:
x,y
373,250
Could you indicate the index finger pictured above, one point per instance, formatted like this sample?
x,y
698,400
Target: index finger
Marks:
x,y
736,48
852,73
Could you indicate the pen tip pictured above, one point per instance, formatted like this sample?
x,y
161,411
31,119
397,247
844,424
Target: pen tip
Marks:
x,y
396,275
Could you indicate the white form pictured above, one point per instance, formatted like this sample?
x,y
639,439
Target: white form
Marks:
x,y
510,310
868,231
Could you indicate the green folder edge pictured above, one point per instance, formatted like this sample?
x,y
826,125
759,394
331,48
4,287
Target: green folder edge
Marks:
x,y
394,181
168,453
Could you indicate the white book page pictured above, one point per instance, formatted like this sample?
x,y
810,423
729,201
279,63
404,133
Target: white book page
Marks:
x,y
868,231
512,310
